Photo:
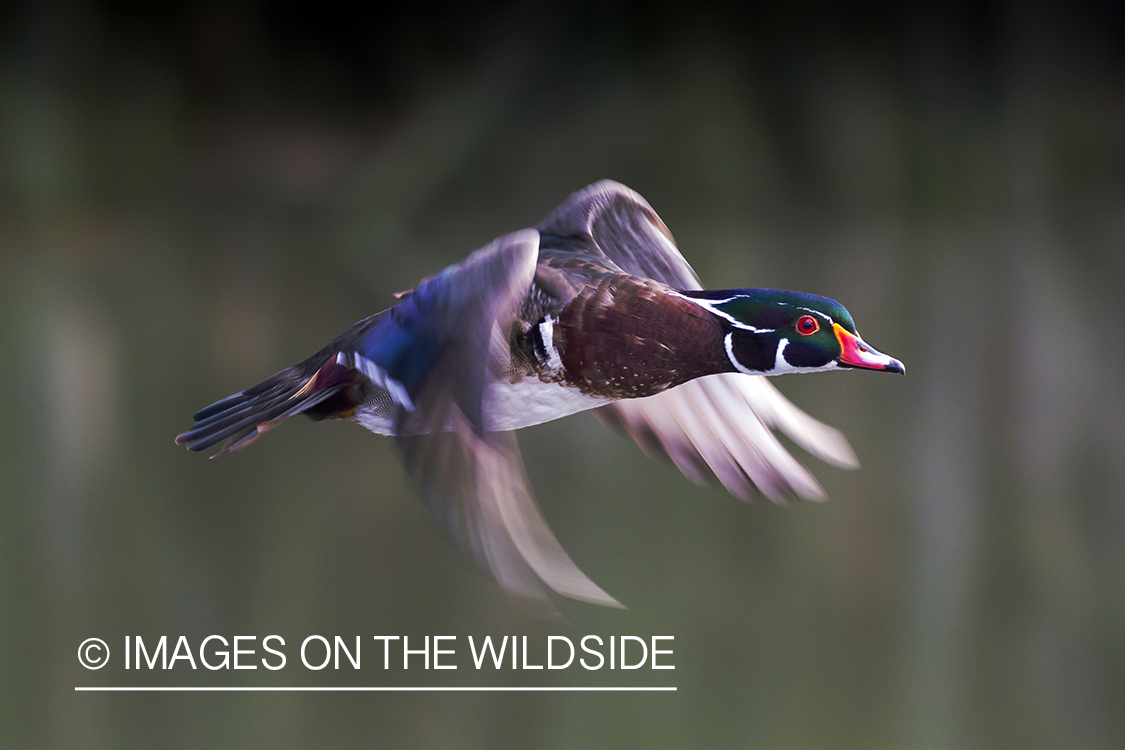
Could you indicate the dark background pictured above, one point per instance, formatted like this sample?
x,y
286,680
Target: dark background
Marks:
x,y
192,197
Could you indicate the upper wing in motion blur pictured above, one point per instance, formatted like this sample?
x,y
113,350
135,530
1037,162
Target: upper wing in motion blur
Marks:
x,y
626,229
450,336
714,426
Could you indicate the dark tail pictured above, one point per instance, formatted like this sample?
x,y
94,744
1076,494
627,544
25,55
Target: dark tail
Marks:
x,y
330,390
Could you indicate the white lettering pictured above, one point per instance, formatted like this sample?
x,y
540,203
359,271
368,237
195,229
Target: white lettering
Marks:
x,y
327,652
225,654
550,651
656,651
439,651
340,646
266,646
644,656
185,655
601,659
478,658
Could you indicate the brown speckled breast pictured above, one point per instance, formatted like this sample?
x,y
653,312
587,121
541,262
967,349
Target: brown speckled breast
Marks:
x,y
627,337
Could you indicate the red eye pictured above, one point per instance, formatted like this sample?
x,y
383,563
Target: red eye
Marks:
x,y
807,325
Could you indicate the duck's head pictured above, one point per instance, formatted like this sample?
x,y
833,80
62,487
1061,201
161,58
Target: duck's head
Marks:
x,y
773,331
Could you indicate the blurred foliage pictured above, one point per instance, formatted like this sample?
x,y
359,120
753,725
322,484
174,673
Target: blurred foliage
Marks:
x,y
194,196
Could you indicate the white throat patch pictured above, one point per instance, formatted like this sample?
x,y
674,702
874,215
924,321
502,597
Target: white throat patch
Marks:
x,y
728,342
779,362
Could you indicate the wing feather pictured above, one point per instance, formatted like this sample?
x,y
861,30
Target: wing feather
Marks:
x,y
626,229
472,480
476,487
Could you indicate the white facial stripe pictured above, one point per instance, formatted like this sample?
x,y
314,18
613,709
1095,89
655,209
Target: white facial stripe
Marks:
x,y
378,376
817,312
547,333
710,306
728,343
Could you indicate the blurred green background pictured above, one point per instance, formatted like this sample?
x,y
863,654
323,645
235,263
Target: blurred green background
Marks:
x,y
195,196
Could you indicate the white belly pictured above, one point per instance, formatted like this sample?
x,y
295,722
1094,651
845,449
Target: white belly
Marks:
x,y
513,406
510,406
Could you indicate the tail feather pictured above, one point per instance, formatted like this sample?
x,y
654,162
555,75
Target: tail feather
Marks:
x,y
235,412
219,407
243,417
254,415
242,438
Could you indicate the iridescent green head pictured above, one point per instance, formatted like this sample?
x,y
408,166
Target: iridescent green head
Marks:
x,y
773,331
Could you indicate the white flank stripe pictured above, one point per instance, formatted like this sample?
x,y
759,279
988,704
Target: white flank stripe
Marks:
x,y
378,376
547,332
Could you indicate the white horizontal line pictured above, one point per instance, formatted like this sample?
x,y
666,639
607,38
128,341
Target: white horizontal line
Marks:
x,y
376,689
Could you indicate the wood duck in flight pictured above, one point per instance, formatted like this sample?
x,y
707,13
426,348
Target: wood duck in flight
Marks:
x,y
594,308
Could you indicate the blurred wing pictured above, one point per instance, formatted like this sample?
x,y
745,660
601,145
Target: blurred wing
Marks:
x,y
475,485
718,426
443,343
627,231
439,344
